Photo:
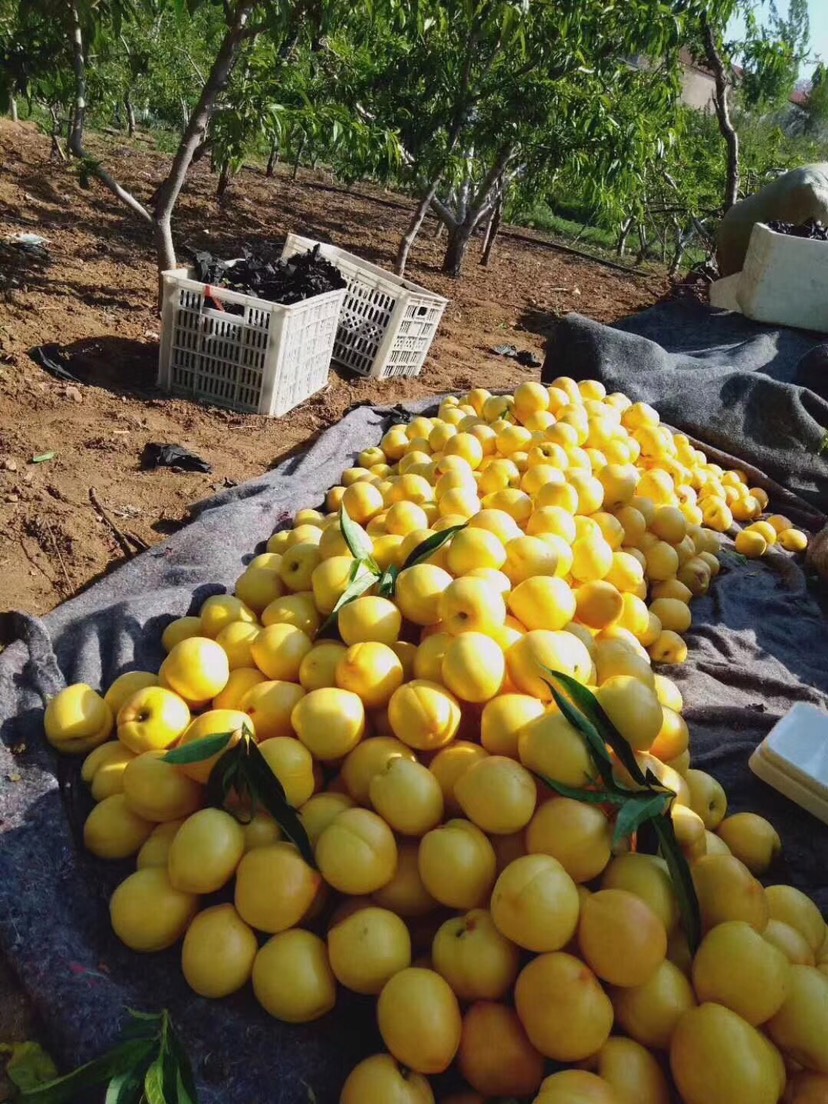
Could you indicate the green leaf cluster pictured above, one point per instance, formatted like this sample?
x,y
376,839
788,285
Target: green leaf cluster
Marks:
x,y
648,804
243,772
148,1066
366,574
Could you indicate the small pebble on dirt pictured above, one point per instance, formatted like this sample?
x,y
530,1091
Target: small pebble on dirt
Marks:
x,y
10,465
74,394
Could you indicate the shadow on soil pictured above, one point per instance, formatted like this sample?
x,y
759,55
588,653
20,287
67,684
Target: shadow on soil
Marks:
x,y
541,322
121,365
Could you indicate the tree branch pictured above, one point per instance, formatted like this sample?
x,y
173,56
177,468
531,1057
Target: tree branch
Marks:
x,y
491,178
720,103
79,63
192,63
444,212
196,129
462,107
76,145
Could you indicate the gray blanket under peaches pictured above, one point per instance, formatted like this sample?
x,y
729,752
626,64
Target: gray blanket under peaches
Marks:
x,y
757,646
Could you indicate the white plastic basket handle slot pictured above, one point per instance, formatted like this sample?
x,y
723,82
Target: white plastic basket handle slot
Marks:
x,y
211,301
212,307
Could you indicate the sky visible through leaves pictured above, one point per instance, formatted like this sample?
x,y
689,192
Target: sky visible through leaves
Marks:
x,y
818,12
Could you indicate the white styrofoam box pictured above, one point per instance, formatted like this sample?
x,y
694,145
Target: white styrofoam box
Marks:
x,y
387,323
785,280
793,758
265,359
723,292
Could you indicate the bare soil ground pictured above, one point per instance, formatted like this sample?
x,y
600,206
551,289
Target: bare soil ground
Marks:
x,y
97,300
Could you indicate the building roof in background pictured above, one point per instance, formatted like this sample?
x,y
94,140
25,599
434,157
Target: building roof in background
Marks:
x,y
690,63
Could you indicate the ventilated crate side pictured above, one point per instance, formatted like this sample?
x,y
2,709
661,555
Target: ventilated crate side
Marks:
x,y
308,344
266,359
387,323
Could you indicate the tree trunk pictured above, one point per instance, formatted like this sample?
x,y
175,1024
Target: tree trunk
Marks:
x,y
480,206
458,242
76,122
164,250
462,106
492,231
643,244
273,160
678,253
56,152
13,107
621,247
298,158
223,181
201,152
414,227
79,62
166,196
130,114
196,131
720,103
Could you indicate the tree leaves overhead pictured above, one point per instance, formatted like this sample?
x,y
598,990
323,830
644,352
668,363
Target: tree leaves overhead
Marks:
x,y
575,99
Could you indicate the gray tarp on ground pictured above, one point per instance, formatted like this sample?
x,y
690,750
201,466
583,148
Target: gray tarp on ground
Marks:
x,y
721,377
757,647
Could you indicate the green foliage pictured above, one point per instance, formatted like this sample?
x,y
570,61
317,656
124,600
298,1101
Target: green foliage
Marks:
x,y
34,54
290,92
470,98
148,1066
158,61
818,101
672,200
644,804
685,188
772,54
148,51
527,95
580,230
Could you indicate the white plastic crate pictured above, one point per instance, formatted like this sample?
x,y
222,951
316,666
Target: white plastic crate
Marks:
x,y
387,323
785,280
265,360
